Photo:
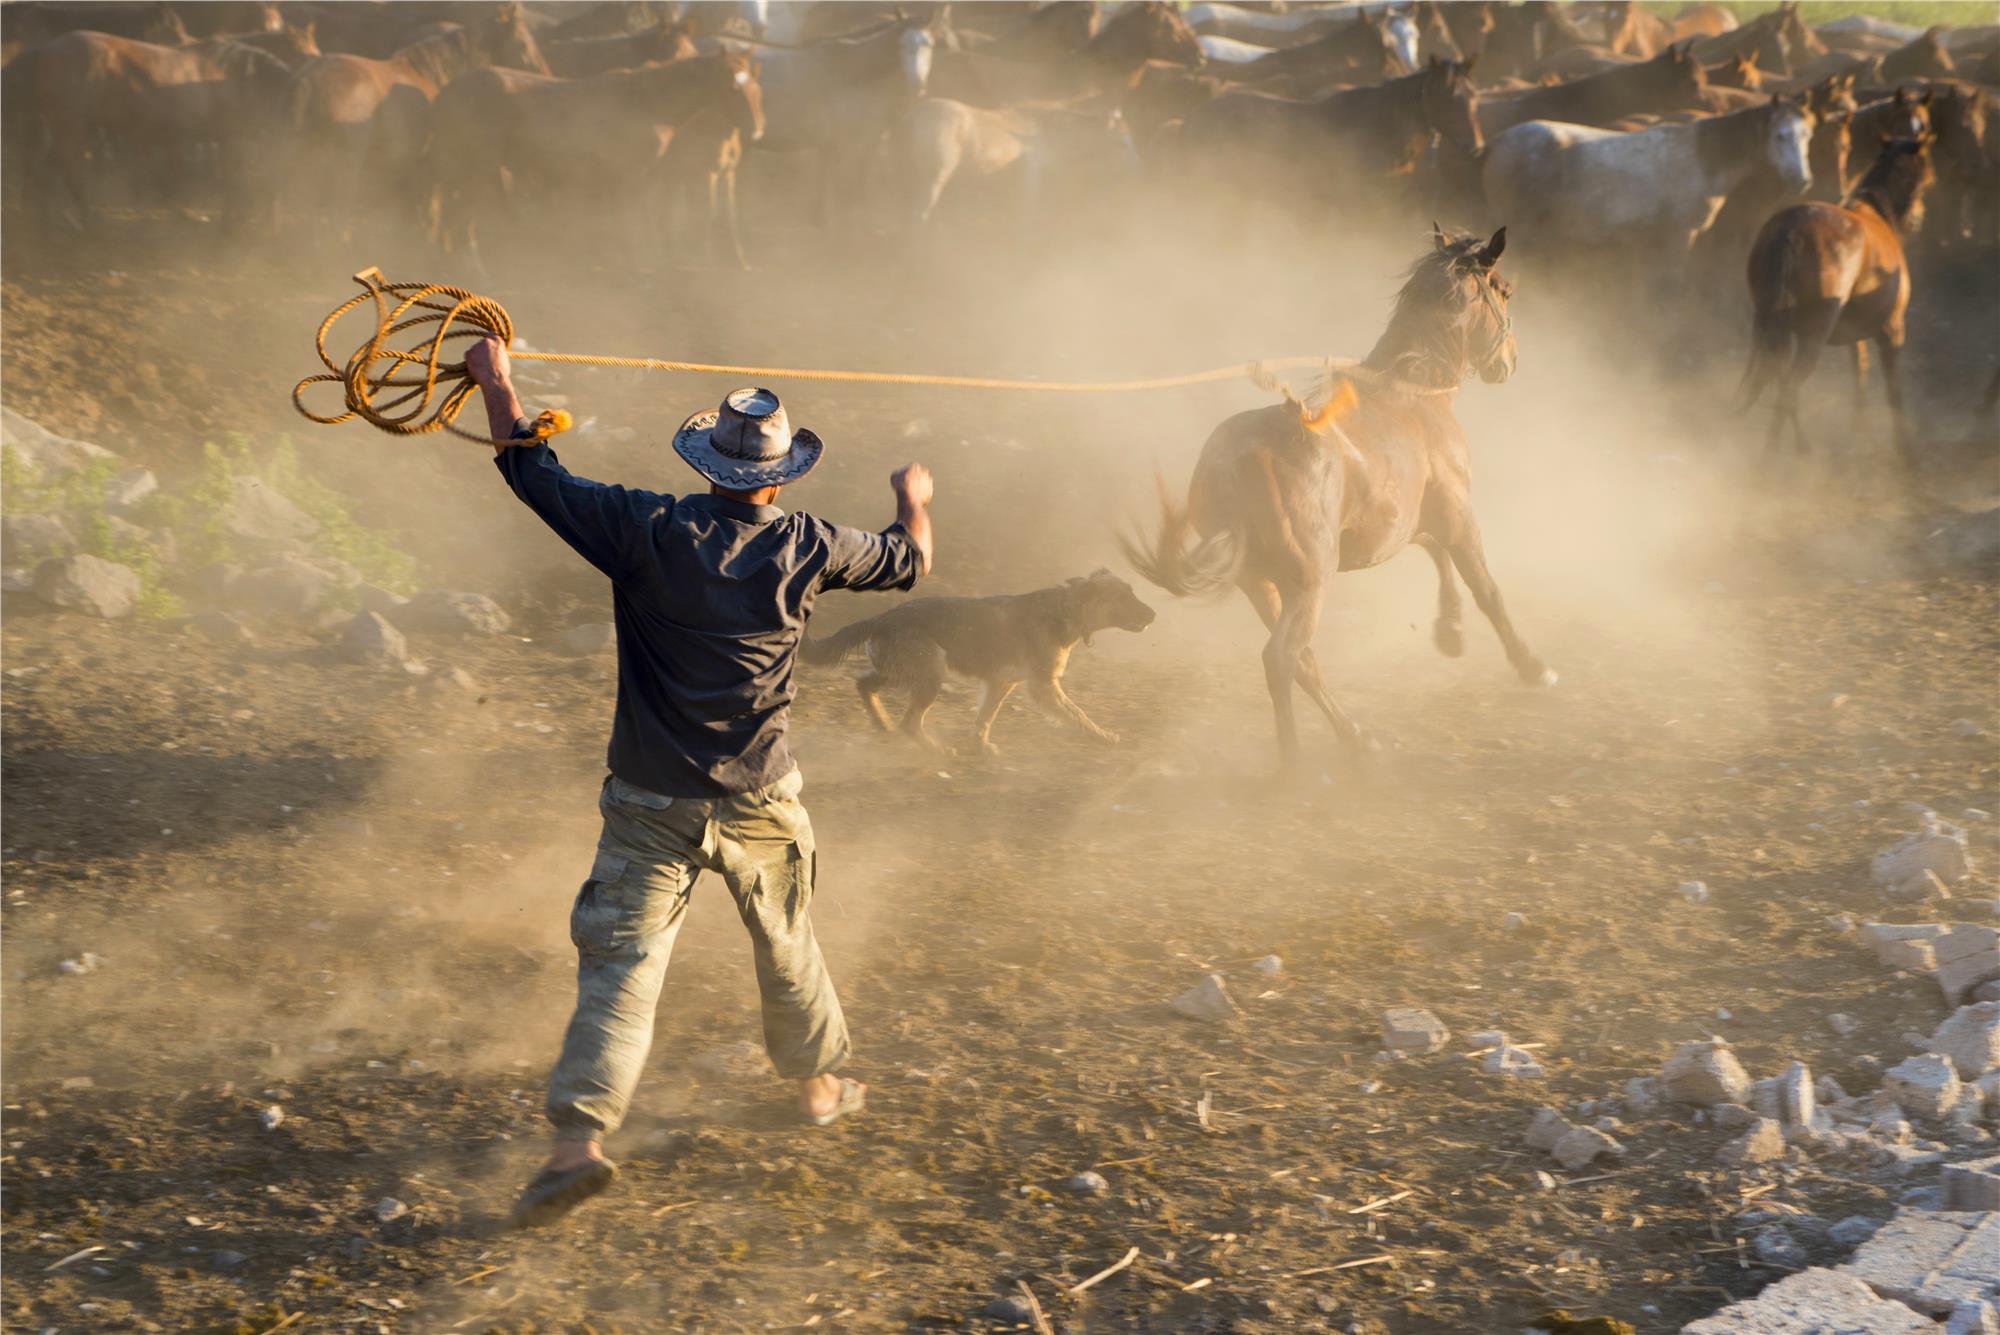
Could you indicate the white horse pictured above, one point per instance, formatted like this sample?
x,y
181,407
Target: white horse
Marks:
x,y
1040,147
1222,50
1557,183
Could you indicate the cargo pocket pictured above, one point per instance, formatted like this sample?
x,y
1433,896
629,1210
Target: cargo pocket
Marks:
x,y
600,908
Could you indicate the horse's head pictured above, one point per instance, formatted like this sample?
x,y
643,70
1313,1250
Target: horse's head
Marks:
x,y
1964,139
1434,34
1742,72
1895,185
1146,31
1834,96
1677,74
270,18
1926,57
745,96
1909,114
1471,268
1832,150
1451,103
504,38
1401,32
292,44
917,46
1801,42
1789,123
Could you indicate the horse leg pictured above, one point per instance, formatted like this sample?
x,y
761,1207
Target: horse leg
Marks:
x,y
1860,379
730,215
1263,596
1812,327
1470,557
1448,631
1889,343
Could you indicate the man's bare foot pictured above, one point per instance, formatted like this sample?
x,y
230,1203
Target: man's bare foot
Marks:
x,y
825,1098
568,1154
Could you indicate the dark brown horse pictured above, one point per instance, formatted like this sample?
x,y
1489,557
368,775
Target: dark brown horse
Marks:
x,y
1779,37
1924,57
1317,152
1283,497
1359,52
1670,81
1143,31
1835,273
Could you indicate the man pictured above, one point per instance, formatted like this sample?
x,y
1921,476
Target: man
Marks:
x,y
710,594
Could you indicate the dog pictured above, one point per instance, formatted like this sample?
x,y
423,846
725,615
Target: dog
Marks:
x,y
1003,641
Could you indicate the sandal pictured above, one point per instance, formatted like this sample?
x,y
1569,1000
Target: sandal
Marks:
x,y
852,1096
556,1191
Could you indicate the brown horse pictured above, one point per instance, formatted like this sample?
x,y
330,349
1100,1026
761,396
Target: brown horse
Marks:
x,y
1316,152
1705,20
1435,38
1670,81
578,56
1359,52
1147,30
497,131
1925,57
1835,273
1779,37
1283,497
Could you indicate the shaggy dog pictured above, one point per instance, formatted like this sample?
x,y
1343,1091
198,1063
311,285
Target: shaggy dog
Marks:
x,y
1003,641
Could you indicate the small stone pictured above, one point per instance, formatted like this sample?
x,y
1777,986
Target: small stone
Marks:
x,y
1581,1146
1843,1025
1513,922
290,588
1966,956
1973,1185
78,1082
1545,1180
1852,1231
443,611
1694,892
1796,1100
1512,1061
1973,1316
271,1118
1207,1001
1088,1184
1011,1310
1412,1029
1371,1086
1939,848
597,637
1840,922
1970,1039
369,639
1733,1117
1924,1086
389,1209
1270,966
1966,728
227,1260
1774,1245
1643,1095
1547,1127
1762,1143
1924,885
1705,1074
455,679
88,584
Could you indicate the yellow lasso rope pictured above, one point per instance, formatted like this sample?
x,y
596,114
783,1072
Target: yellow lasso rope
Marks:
x,y
426,391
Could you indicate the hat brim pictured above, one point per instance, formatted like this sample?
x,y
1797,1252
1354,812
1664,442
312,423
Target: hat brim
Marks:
x,y
695,443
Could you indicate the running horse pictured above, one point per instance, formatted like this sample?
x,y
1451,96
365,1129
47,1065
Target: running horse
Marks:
x,y
1836,273
1285,496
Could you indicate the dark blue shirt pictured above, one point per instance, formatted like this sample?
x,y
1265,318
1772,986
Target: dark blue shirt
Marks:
x,y
711,598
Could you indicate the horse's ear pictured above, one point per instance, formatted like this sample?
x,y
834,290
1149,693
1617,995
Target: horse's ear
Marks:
x,y
1438,236
1490,254
1925,100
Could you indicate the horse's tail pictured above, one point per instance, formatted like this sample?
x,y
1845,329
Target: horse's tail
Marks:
x,y
1181,566
1770,273
830,650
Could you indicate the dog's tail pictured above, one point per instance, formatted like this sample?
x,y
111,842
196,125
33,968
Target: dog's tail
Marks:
x,y
830,650
1171,560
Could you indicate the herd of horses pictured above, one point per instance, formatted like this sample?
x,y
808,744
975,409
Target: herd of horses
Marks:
x,y
1799,159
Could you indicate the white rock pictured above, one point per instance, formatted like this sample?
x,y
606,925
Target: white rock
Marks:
x,y
1852,1231
371,640
1412,1029
1088,1183
389,1208
1774,1245
1694,892
1940,849
1843,1025
1973,1316
43,452
1796,1103
32,539
1513,922
443,611
1546,1128
1970,1039
1973,1185
1924,885
1643,1095
1762,1143
88,584
1270,966
1736,1117
1705,1074
1207,1001
1924,1086
272,1117
128,488
256,511
1967,956
1580,1146
1512,1061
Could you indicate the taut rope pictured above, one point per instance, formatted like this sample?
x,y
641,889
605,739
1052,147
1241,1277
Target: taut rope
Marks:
x,y
414,390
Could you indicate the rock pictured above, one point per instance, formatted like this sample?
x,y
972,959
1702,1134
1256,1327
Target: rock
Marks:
x,y
1412,1029
290,588
1931,1260
1973,1316
1513,922
1965,729
220,627
1580,1146
1988,1086
1088,1184
389,1209
124,492
1643,1095
227,1260
1852,1231
32,539
272,1117
1966,957
1694,892
1207,1001
1969,1038
1827,1090
1987,991
1510,1060
596,637
1705,1074
1774,1245
1011,1310
1734,1117
1924,1086
1270,966
379,600
1939,849
371,640
1547,1127
1814,1302
257,512
1796,1101
1969,540
443,612
1762,1143
1546,1181
88,584
454,679
1924,885
1972,1185
43,453
1842,1025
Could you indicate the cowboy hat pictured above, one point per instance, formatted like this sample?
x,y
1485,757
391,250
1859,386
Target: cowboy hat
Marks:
x,y
747,442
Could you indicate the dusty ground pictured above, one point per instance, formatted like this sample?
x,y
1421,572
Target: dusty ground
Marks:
x,y
343,892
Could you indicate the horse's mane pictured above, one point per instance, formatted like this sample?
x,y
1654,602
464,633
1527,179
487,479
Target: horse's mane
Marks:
x,y
443,55
1893,182
1130,18
1429,308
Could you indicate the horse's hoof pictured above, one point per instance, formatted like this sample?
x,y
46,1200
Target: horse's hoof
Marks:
x,y
1538,675
1449,636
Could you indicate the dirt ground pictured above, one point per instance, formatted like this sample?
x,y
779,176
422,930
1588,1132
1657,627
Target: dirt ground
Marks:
x,y
343,892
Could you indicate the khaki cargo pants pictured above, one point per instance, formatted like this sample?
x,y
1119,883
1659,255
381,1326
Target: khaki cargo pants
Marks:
x,y
629,911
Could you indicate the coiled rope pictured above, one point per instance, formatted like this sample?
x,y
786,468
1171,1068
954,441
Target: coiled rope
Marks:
x,y
417,389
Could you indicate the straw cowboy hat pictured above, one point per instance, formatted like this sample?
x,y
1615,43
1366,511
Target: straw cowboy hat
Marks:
x,y
747,442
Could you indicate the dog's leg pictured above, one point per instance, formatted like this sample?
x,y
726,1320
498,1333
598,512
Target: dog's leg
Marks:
x,y
989,709
926,678
869,686
1049,691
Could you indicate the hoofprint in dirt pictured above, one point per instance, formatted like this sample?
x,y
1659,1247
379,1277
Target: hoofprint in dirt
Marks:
x,y
312,914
